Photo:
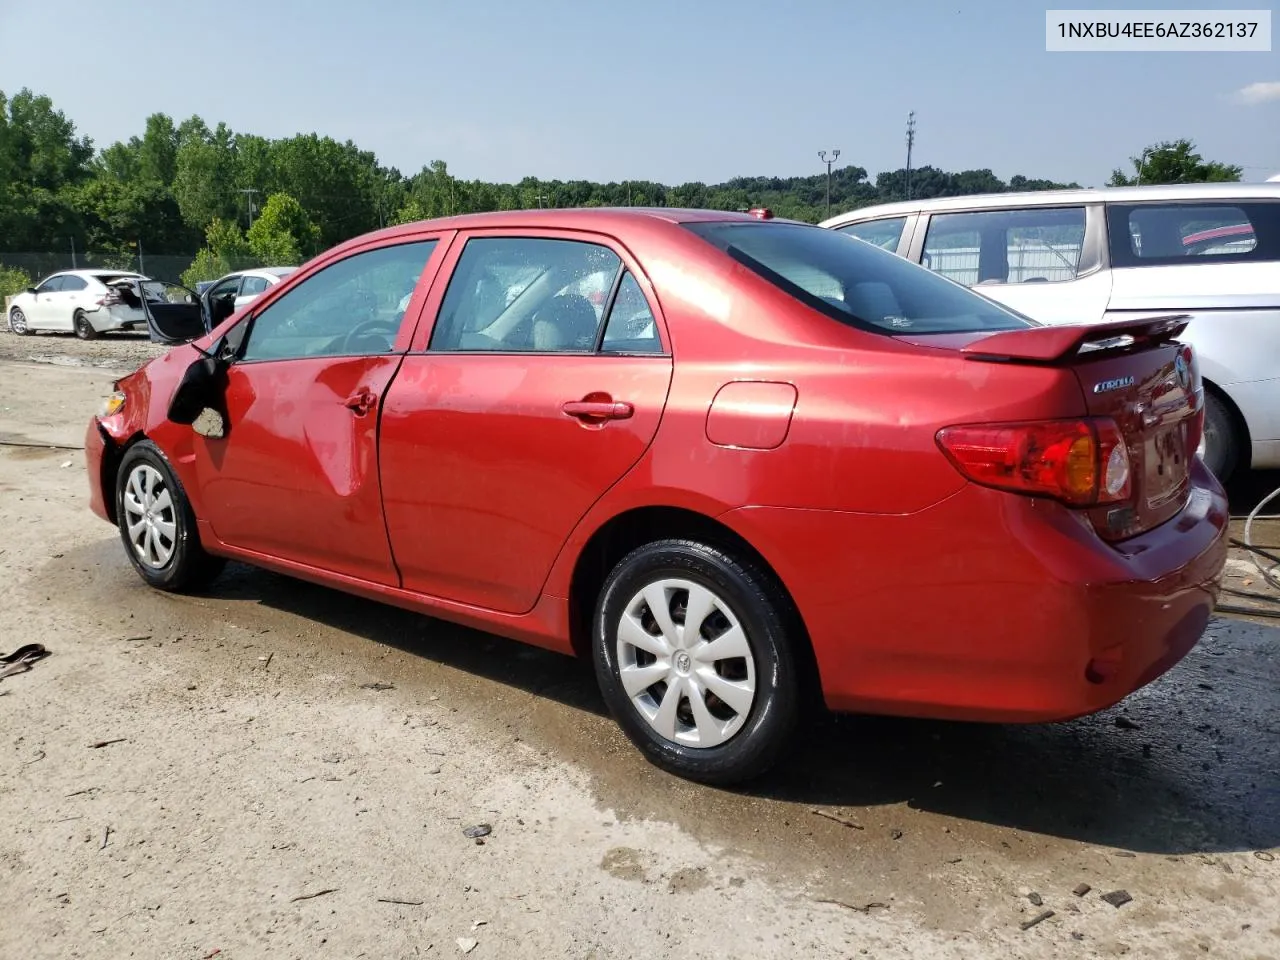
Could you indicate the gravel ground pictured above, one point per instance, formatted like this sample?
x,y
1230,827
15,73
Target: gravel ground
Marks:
x,y
283,764
118,351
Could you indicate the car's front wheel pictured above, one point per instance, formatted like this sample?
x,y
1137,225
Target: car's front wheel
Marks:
x,y
18,322
693,655
157,525
84,329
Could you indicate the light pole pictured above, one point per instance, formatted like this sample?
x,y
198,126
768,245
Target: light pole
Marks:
x,y
1142,162
835,155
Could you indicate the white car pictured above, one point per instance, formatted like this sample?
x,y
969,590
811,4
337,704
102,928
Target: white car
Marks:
x,y
82,302
1068,256
228,294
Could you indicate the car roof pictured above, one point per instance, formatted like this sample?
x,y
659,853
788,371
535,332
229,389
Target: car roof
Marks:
x,y
1055,198
94,273
605,219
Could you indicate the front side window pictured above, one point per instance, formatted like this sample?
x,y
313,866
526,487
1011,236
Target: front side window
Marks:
x,y
52,285
525,295
854,282
1189,233
350,308
1035,245
883,233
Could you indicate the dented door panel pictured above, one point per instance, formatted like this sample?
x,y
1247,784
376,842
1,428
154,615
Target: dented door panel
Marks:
x,y
296,476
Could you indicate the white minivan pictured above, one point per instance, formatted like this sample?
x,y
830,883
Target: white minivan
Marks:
x,y
1069,256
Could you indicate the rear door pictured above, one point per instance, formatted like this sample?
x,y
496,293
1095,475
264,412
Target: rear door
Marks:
x,y
251,287
528,401
1045,262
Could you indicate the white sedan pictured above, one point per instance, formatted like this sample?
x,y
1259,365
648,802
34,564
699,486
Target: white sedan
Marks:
x,y
228,294
83,302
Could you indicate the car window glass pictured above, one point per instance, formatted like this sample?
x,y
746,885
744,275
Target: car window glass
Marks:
x,y
1189,231
1036,245
225,288
253,286
517,295
856,283
630,327
52,285
351,308
71,284
883,233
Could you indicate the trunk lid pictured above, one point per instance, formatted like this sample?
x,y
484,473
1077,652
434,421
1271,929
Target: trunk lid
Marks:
x,y
1134,372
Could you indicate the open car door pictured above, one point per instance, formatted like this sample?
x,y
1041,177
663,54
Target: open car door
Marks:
x,y
174,313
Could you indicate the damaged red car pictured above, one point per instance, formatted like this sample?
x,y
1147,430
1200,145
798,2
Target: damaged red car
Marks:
x,y
744,465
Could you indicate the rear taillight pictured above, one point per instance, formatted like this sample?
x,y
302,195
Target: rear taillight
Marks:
x,y
110,300
1080,462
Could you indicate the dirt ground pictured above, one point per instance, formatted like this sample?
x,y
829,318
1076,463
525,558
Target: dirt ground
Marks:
x,y
289,771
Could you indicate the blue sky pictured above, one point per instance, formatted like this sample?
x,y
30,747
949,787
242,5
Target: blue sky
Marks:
x,y
668,90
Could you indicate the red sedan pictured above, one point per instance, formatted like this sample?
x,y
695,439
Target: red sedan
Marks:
x,y
742,464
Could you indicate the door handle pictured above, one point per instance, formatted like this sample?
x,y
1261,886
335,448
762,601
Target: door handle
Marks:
x,y
362,401
598,409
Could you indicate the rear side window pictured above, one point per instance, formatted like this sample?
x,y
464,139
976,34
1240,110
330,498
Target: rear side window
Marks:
x,y
1188,233
1037,245
854,282
253,286
72,284
883,233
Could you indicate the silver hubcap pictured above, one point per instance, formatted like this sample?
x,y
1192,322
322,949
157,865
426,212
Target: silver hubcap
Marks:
x,y
17,321
149,516
684,661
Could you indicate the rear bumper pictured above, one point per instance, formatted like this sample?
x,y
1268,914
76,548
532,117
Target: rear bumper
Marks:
x,y
993,607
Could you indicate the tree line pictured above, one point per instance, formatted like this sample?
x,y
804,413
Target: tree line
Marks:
x,y
241,198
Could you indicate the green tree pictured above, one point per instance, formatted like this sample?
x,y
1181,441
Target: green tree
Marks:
x,y
225,250
204,177
283,235
1174,161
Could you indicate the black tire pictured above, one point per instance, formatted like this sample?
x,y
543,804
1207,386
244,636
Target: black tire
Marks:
x,y
188,566
84,329
18,322
1222,441
763,613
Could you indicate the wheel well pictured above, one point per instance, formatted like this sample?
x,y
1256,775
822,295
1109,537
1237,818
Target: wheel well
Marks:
x,y
112,454
1241,425
632,529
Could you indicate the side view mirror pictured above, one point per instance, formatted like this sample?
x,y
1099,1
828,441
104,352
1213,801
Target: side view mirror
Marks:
x,y
31,289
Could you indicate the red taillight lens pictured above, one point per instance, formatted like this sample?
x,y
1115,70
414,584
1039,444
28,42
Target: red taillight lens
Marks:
x,y
1080,462
110,300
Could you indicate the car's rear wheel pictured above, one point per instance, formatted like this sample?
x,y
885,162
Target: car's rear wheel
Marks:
x,y
693,657
18,322
157,525
1220,446
84,329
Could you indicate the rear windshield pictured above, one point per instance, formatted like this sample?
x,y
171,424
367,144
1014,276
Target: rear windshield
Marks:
x,y
855,282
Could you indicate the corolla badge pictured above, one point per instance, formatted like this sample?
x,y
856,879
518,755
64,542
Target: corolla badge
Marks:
x,y
1182,370
1117,384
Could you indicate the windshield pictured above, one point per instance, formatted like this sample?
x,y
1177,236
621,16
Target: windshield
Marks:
x,y
855,282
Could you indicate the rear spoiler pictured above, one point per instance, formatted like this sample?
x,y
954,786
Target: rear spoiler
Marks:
x,y
1054,344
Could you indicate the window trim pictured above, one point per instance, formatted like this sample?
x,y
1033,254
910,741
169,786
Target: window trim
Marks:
x,y
903,237
83,281
1265,250
1093,247
398,348
448,267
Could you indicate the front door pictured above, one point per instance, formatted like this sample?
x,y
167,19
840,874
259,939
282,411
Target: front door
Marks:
x,y
43,310
542,385
296,475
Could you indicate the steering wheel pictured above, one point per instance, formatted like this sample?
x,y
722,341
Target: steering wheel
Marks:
x,y
368,326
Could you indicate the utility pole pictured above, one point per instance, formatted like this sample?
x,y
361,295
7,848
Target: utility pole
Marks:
x,y
541,197
249,191
1141,163
73,252
835,155
911,142
140,266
